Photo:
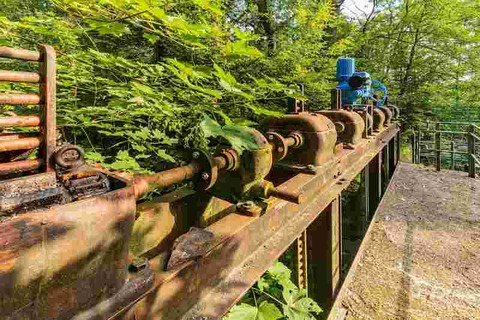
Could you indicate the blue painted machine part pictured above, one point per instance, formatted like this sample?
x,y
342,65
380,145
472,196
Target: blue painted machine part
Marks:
x,y
357,87
345,69
380,92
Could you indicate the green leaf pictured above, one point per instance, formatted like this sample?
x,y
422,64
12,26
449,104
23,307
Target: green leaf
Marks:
x,y
162,154
266,311
94,157
141,88
279,271
242,311
240,138
152,38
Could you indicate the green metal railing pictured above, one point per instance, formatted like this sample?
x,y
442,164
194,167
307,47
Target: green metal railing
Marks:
x,y
458,139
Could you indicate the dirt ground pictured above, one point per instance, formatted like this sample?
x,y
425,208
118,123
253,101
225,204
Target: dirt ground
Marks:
x,y
422,258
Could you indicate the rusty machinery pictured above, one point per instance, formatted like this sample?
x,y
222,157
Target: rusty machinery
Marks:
x,y
43,199
67,229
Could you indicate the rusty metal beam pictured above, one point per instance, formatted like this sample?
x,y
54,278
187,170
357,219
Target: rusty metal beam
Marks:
x,y
245,247
19,98
19,121
20,54
325,254
47,70
19,166
19,76
19,144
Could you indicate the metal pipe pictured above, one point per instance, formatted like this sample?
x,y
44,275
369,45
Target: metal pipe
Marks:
x,y
20,54
145,183
20,121
19,166
164,179
19,76
20,98
19,144
15,135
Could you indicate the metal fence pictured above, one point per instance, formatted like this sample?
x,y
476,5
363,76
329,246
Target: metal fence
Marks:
x,y
459,140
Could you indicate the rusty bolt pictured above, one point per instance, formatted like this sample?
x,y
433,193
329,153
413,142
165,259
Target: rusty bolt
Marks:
x,y
270,137
280,149
196,155
310,167
205,176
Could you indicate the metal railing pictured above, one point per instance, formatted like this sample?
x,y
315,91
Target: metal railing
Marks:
x,y
461,139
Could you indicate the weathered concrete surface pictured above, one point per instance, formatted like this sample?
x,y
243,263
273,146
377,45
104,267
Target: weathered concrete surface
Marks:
x,y
421,259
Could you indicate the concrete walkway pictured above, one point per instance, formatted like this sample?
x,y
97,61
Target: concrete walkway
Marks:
x,y
421,256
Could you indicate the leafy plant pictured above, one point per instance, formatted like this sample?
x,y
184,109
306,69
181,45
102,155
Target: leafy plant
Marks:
x,y
273,297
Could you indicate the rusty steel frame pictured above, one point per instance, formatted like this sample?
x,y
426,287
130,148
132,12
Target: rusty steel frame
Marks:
x,y
245,247
46,77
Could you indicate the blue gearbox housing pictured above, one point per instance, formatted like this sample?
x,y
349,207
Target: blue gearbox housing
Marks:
x,y
358,87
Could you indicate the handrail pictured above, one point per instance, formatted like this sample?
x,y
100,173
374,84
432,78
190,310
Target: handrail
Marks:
x,y
433,129
476,159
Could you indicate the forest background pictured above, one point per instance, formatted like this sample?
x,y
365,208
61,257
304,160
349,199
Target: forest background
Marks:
x,y
142,81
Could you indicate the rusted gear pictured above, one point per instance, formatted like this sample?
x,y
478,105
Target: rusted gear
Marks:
x,y
69,156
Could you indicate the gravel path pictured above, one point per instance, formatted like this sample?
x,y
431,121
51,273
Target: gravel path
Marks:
x,y
422,259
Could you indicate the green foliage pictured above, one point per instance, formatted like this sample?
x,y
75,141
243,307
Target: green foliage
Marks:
x,y
273,297
139,82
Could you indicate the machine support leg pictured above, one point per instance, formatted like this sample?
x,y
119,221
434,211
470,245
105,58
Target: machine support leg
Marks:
x,y
391,157
385,168
324,255
366,186
375,190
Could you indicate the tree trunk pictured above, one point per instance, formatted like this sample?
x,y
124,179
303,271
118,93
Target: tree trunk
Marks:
x,y
267,24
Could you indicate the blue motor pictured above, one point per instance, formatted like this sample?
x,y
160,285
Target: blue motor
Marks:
x,y
357,87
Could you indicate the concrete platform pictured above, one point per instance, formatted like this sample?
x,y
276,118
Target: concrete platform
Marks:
x,y
421,256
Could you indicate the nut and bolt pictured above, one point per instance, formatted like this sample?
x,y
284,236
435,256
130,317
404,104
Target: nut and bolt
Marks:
x,y
196,155
310,167
245,205
270,137
205,176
